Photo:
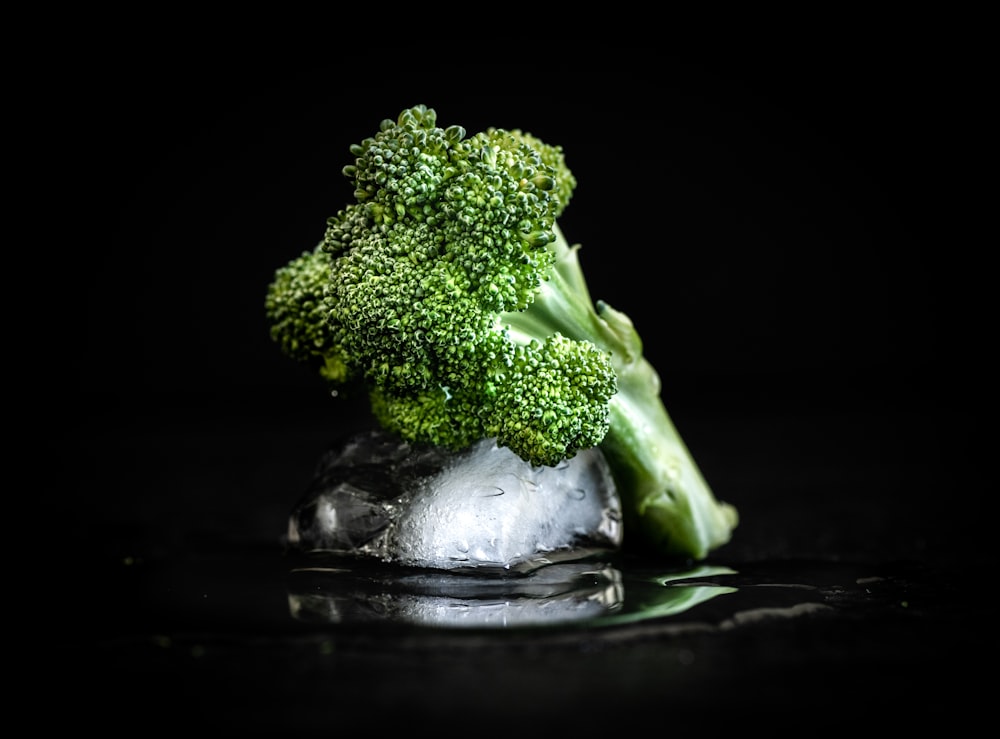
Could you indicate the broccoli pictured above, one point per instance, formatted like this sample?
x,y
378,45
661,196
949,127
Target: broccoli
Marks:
x,y
447,291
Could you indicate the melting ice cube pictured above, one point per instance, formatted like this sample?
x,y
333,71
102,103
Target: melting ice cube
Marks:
x,y
422,506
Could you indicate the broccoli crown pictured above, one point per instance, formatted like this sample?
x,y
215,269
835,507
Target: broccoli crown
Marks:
x,y
448,233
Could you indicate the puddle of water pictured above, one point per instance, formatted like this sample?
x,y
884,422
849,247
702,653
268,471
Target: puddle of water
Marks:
x,y
594,593
597,594
264,591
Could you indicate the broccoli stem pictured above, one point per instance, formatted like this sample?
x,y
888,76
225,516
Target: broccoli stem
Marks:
x,y
669,508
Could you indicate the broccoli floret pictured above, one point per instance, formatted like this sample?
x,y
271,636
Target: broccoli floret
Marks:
x,y
448,290
296,309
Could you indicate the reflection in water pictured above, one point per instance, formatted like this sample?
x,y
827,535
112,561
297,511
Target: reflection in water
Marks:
x,y
571,592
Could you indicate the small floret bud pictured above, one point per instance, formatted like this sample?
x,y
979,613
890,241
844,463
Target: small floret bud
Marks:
x,y
538,238
544,182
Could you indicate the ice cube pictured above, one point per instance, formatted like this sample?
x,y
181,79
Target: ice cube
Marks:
x,y
417,505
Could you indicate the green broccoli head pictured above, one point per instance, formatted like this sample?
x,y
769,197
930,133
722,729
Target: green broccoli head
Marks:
x,y
448,233
471,217
449,291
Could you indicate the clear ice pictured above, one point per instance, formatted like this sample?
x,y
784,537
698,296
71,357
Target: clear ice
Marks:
x,y
379,498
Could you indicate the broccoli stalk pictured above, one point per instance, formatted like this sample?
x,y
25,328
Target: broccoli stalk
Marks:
x,y
668,506
448,291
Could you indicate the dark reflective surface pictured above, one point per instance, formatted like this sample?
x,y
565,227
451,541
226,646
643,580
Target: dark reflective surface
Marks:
x,y
856,591
248,640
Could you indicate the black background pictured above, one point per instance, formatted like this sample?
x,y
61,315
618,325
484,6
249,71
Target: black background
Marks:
x,y
757,220
789,229
785,229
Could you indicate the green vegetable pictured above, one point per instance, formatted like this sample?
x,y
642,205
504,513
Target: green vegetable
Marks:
x,y
448,292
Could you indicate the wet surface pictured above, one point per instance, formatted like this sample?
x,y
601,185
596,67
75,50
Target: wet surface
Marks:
x,y
258,640
295,595
845,601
